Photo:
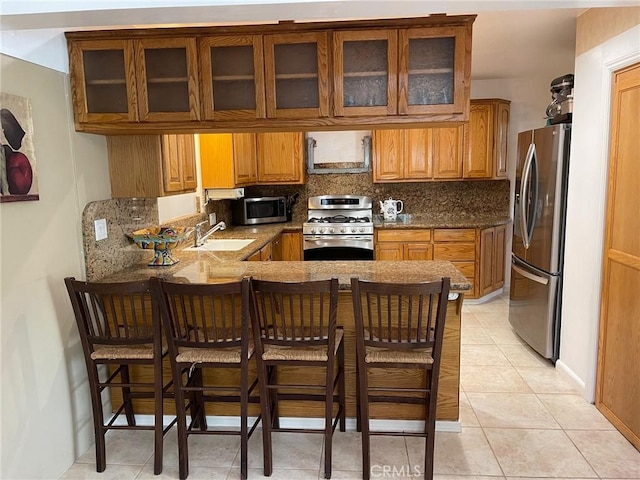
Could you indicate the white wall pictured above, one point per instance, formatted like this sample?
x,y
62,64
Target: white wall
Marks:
x,y
586,205
46,414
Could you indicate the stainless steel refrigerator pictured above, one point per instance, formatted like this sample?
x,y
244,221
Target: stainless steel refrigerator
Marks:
x,y
538,237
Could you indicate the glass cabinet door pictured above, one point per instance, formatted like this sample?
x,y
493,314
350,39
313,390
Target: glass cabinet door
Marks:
x,y
365,66
232,77
167,79
434,63
297,75
103,81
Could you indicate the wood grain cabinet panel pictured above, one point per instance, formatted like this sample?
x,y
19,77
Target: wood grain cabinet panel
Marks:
x,y
487,131
492,255
228,160
291,247
280,158
403,245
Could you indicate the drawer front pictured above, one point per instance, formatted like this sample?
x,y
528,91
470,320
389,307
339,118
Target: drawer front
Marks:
x,y
403,235
454,235
468,269
454,251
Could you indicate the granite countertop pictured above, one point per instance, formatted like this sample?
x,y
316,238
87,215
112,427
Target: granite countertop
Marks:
x,y
453,220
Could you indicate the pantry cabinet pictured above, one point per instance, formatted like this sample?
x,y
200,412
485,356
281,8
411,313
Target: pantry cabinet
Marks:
x,y
409,155
486,151
151,165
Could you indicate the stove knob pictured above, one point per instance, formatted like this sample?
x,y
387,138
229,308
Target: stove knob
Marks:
x,y
331,230
321,230
354,229
343,230
313,230
361,230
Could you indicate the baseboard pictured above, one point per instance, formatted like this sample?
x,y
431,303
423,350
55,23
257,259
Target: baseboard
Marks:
x,y
570,375
300,422
486,298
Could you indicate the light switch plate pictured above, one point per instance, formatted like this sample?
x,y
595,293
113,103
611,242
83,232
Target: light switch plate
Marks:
x,y
101,229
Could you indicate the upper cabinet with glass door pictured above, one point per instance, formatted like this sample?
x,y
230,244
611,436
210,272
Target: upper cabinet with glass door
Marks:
x,y
232,68
167,79
103,81
434,70
365,72
297,75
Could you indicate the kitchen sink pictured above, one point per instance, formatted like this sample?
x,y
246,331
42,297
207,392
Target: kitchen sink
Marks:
x,y
222,245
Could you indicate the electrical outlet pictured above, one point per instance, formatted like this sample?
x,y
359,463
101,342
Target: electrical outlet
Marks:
x,y
212,218
101,229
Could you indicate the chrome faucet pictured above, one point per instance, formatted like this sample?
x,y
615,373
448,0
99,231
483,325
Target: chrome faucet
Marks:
x,y
200,238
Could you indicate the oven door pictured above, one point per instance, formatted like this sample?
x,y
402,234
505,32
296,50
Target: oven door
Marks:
x,y
338,247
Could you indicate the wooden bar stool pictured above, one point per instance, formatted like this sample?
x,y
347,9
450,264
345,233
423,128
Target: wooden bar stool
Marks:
x,y
399,326
119,326
207,328
294,325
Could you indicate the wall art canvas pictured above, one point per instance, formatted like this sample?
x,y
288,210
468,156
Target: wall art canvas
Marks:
x,y
18,172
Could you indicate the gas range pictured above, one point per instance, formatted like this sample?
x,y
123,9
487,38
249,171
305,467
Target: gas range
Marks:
x,y
338,227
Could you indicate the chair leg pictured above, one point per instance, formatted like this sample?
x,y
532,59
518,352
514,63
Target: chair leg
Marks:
x,y
341,389
158,409
181,414
98,419
126,395
273,393
244,407
363,386
430,430
265,410
358,415
328,418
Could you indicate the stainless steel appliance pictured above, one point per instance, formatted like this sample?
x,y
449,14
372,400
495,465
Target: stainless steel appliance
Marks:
x,y
338,227
259,210
538,237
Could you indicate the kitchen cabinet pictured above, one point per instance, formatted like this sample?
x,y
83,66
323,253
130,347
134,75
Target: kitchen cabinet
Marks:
x,y
232,68
272,77
459,247
421,154
403,245
228,160
297,75
151,165
291,246
167,79
280,158
103,81
486,151
491,261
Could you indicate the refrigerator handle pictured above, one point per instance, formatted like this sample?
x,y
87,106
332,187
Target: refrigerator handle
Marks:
x,y
529,275
524,221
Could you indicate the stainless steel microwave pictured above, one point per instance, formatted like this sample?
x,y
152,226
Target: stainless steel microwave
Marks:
x,y
258,210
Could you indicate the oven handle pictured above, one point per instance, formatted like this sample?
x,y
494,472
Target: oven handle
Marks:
x,y
363,243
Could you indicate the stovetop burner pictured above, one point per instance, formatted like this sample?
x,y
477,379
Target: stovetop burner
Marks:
x,y
339,219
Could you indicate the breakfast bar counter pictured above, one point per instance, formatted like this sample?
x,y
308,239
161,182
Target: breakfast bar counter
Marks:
x,y
205,267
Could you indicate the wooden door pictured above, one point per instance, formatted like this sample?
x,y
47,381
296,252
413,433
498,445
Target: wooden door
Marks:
x,y
103,83
388,155
487,264
390,251
478,161
297,75
280,157
448,149
501,139
188,162
418,251
232,68
499,243
244,159
167,79
292,246
365,72
618,374
171,163
418,161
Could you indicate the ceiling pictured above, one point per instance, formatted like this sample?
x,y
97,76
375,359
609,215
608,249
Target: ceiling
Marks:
x,y
505,35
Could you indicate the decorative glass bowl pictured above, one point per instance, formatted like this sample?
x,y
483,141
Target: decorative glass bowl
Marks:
x,y
161,240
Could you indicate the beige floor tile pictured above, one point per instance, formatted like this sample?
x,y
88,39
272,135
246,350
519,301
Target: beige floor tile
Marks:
x,y
537,453
510,410
504,336
465,477
523,356
496,319
474,336
345,475
347,452
290,451
388,452
608,452
495,304
123,447
204,450
545,380
469,320
195,473
574,413
87,471
467,415
465,453
278,474
492,379
471,354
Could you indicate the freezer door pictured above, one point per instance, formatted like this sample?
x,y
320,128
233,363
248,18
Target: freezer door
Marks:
x,y
532,307
540,203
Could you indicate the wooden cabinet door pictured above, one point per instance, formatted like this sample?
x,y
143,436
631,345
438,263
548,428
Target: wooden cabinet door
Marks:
x,y
418,251
499,245
276,249
448,148
389,251
189,175
434,65
487,263
244,159
232,69
479,156
291,246
618,372
167,79
103,84
280,157
297,75
501,138
178,163
364,72
388,154
418,164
